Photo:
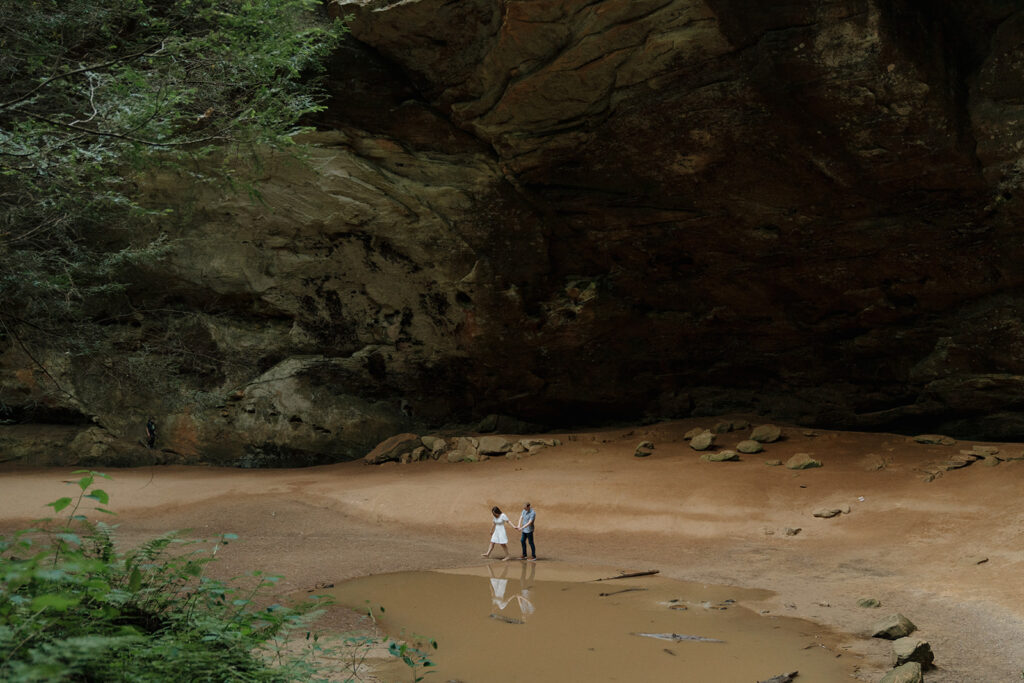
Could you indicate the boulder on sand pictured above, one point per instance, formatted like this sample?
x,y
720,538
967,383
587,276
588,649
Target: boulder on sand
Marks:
x,y
913,650
494,445
392,449
893,627
643,449
907,673
721,456
766,433
702,441
749,446
935,439
802,461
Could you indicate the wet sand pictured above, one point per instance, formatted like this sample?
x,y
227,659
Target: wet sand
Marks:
x,y
911,544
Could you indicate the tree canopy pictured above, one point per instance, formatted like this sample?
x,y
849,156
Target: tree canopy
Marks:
x,y
93,92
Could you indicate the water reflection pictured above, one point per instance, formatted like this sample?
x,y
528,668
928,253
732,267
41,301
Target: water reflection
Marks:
x,y
578,629
521,601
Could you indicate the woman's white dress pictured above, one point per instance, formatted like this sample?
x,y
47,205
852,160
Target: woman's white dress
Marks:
x,y
498,598
499,535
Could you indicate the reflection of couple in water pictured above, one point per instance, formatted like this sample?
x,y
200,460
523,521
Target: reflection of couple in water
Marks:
x,y
499,584
499,537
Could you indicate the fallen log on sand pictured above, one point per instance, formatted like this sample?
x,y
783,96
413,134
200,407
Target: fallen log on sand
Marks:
x,y
649,572
677,637
624,590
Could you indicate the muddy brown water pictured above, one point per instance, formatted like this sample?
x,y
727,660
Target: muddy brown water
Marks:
x,y
543,621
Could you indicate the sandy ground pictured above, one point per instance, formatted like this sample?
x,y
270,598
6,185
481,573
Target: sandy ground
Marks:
x,y
913,545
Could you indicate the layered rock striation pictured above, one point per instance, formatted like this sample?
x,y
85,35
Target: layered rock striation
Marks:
x,y
577,211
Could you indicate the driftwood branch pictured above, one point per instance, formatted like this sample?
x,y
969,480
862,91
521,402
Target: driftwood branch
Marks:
x,y
624,590
678,637
631,575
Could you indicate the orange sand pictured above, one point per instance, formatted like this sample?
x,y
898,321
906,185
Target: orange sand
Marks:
x,y
911,544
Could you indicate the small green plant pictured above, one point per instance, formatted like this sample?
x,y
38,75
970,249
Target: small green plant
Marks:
x,y
415,658
73,607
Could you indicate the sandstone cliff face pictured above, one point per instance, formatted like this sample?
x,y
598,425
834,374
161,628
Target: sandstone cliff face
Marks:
x,y
569,210
801,206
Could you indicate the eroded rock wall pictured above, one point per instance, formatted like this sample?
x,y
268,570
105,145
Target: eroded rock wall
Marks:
x,y
579,211
809,207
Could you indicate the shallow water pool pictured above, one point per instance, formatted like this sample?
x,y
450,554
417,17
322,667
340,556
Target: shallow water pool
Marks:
x,y
526,621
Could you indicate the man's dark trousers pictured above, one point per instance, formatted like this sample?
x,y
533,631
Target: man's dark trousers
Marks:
x,y
528,536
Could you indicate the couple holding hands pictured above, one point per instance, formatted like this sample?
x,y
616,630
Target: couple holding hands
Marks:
x,y
525,525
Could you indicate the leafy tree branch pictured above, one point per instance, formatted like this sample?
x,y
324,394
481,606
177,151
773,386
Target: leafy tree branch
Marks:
x,y
94,94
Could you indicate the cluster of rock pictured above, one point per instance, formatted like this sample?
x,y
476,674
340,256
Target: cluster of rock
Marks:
x,y
703,440
910,656
406,448
990,455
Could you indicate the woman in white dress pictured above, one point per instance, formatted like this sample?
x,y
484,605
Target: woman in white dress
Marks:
x,y
499,537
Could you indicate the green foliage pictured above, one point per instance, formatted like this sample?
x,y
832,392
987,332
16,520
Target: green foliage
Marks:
x,y
75,608
94,93
415,658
